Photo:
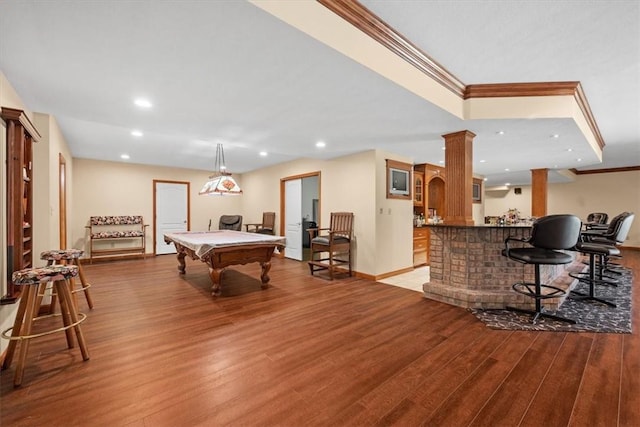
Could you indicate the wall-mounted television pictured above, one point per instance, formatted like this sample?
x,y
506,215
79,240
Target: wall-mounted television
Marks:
x,y
399,182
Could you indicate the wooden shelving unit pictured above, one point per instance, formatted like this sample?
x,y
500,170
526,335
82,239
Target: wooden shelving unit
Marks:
x,y
21,134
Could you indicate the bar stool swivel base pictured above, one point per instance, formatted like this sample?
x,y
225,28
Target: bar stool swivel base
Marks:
x,y
534,290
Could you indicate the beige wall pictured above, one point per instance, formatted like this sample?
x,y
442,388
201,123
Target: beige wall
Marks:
x,y
500,201
612,193
393,233
382,241
116,188
46,202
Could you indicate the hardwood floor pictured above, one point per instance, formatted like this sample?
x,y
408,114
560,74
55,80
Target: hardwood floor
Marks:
x,y
311,352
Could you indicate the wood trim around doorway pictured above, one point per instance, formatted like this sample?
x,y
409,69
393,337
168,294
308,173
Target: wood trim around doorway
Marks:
x,y
282,201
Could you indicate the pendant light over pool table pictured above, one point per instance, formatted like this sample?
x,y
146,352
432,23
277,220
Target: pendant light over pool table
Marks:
x,y
221,183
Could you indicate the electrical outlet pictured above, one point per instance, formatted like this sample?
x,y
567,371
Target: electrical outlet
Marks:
x,y
380,211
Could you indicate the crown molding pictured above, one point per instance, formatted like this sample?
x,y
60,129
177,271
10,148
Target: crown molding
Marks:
x,y
21,117
369,23
607,170
506,90
366,21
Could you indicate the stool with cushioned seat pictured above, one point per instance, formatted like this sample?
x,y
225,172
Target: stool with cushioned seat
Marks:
x,y
550,236
70,256
592,279
34,280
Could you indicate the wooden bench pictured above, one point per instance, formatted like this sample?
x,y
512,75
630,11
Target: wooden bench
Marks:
x,y
105,230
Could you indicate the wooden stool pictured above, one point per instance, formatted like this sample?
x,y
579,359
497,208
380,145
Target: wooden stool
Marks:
x,y
34,280
71,256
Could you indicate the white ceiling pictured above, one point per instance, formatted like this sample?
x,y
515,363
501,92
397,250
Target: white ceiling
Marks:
x,y
227,71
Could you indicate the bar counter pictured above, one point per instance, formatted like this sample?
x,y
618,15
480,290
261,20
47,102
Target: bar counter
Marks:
x,y
467,268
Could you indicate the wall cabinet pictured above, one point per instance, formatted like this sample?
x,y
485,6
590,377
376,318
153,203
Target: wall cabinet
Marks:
x,y
418,188
20,136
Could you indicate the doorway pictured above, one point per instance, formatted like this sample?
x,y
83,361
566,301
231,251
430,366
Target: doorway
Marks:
x,y
299,211
171,212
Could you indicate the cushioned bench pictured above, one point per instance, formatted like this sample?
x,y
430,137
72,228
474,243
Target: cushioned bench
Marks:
x,y
106,231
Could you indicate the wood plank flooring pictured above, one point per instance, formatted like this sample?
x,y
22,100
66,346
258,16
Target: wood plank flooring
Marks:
x,y
311,352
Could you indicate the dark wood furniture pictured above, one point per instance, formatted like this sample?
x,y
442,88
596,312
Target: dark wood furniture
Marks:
x,y
335,241
267,226
223,248
21,134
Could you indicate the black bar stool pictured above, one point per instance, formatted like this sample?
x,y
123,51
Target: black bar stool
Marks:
x,y
593,250
550,236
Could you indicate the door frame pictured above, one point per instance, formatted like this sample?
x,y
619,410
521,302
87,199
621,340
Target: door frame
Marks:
x,y
164,181
62,201
283,201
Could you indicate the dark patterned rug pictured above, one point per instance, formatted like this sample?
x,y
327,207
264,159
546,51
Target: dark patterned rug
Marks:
x,y
590,316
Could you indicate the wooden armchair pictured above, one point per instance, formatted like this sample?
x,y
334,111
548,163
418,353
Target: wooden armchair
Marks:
x,y
335,241
266,227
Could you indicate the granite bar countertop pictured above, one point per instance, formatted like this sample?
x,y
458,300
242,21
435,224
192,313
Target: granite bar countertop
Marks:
x,y
479,225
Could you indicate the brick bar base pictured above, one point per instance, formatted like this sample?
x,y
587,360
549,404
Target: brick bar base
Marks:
x,y
468,270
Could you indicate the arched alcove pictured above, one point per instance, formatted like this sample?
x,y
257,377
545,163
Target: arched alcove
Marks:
x,y
436,196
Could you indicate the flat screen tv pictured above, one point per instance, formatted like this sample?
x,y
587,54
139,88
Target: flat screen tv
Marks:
x,y
399,182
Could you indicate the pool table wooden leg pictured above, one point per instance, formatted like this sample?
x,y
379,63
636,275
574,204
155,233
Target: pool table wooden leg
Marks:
x,y
182,267
266,266
215,274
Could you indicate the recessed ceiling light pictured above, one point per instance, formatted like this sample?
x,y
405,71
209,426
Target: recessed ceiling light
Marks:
x,y
500,132
482,161
124,156
555,135
143,103
578,160
507,183
506,169
486,179
569,149
263,154
441,162
444,148
320,144
137,133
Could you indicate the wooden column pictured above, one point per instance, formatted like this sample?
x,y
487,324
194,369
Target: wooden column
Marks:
x,y
459,183
539,192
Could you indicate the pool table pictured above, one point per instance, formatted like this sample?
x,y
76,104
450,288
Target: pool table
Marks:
x,y
222,248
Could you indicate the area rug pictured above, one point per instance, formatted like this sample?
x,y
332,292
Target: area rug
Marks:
x,y
590,316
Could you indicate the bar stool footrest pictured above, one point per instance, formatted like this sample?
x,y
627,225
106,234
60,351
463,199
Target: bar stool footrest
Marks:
x,y
81,318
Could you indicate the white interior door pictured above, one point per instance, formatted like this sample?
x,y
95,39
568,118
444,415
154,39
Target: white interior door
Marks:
x,y
293,218
171,213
